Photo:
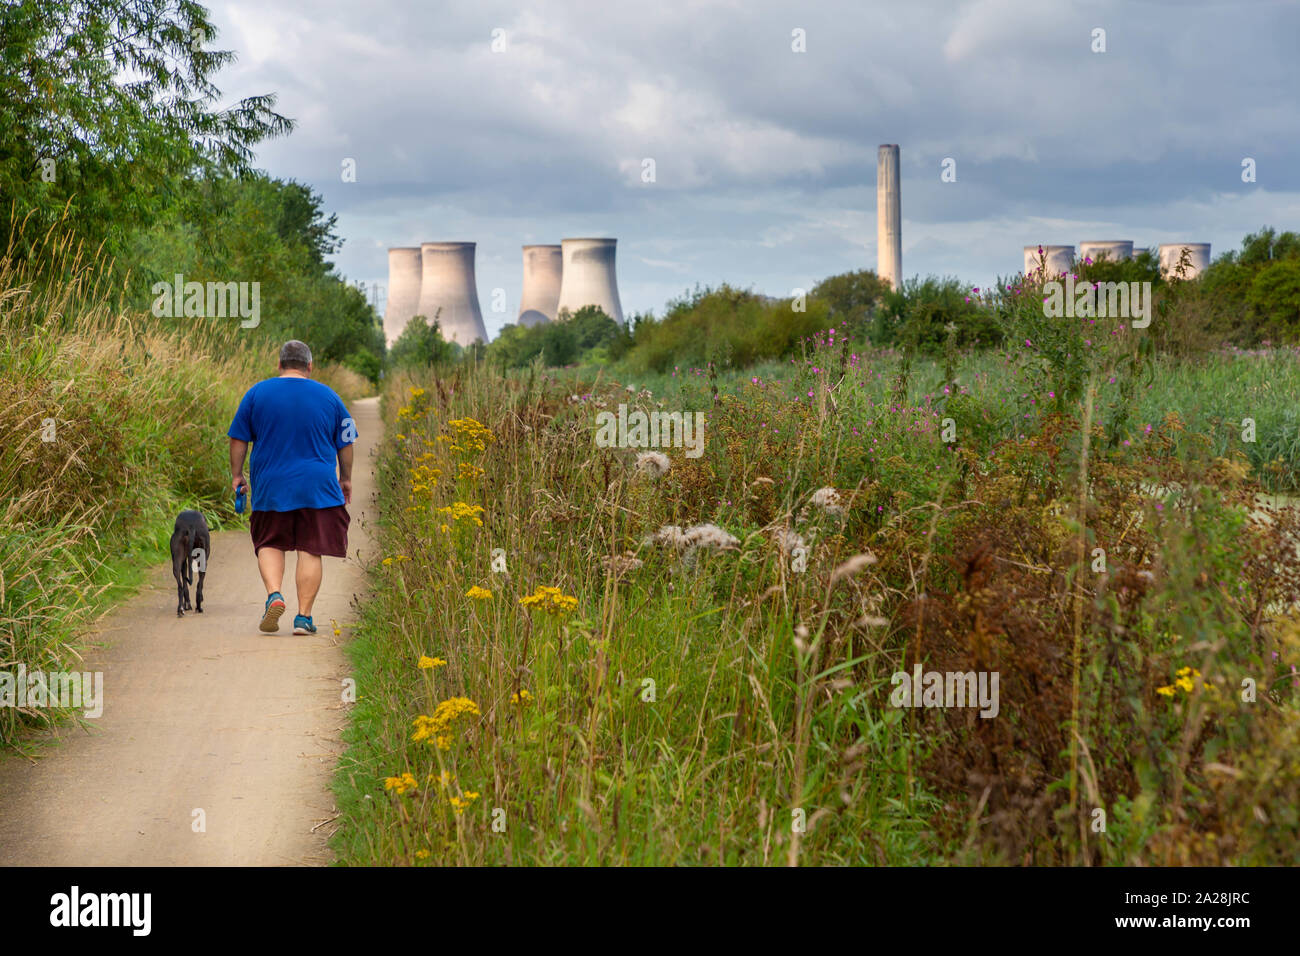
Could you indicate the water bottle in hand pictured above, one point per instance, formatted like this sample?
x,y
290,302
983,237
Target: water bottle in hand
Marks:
x,y
239,499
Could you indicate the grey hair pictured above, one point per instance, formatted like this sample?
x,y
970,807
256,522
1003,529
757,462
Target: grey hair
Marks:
x,y
295,354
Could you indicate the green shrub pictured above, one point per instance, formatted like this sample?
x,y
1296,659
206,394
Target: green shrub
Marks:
x,y
567,340
924,309
726,326
421,344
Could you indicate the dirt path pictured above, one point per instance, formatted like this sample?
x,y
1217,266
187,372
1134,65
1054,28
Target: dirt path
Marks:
x,y
203,712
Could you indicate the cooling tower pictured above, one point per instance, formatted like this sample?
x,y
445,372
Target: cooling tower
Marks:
x,y
1115,250
403,290
447,282
1059,259
1198,255
588,276
540,300
889,217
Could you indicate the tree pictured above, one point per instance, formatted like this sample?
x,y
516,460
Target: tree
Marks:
x,y
560,345
1260,248
1250,294
851,296
272,232
1274,295
593,328
106,107
583,335
514,346
421,344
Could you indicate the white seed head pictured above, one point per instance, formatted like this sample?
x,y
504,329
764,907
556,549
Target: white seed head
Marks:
x,y
828,500
653,464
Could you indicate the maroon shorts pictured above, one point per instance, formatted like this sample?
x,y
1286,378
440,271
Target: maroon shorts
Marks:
x,y
313,530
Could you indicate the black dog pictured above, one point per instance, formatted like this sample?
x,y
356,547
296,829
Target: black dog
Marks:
x,y
190,542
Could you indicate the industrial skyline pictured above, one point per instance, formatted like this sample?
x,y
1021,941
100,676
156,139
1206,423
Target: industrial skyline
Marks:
x,y
738,144
439,284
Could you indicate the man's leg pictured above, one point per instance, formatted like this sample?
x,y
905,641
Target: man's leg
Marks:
x,y
270,562
307,578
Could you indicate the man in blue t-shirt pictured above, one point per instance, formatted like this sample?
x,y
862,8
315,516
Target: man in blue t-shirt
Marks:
x,y
298,429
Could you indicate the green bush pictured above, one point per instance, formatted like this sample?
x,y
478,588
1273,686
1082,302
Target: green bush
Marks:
x,y
1251,295
726,326
851,296
565,341
918,316
421,345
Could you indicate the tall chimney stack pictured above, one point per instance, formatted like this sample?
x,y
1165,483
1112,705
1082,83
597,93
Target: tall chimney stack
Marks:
x,y
889,217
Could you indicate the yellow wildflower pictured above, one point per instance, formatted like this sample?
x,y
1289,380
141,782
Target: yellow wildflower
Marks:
x,y
427,663
551,600
461,509
439,726
523,698
403,784
461,803
469,435
478,593
1185,680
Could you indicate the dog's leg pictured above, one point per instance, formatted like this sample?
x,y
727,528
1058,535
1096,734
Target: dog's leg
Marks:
x,y
180,586
186,574
203,572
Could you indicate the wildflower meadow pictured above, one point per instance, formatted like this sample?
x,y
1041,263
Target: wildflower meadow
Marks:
x,y
641,657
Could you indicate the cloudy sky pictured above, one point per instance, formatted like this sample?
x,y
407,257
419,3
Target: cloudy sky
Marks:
x,y
765,156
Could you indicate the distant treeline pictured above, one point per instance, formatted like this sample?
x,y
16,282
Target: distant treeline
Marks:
x,y
1245,298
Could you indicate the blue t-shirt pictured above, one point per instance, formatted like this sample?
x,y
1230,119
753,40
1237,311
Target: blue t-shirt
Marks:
x,y
297,427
